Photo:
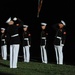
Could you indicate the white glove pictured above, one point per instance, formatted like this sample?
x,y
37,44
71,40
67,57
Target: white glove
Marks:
x,y
29,45
14,18
62,45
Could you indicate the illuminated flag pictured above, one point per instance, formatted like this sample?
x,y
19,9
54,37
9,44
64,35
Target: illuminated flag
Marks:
x,y
39,7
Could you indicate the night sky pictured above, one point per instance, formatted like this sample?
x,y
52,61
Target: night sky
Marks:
x,y
52,12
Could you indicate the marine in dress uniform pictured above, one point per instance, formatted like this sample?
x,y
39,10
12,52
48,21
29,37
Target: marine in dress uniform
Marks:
x,y
43,43
3,44
14,39
59,41
26,43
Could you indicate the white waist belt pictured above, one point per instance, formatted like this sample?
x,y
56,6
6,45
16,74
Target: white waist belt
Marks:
x,y
43,37
14,35
25,38
58,37
3,39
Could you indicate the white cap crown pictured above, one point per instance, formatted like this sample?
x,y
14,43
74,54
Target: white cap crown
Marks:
x,y
25,26
2,28
9,19
63,22
43,23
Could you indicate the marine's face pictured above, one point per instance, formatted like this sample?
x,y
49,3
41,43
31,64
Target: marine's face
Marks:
x,y
61,25
43,27
25,29
2,31
11,22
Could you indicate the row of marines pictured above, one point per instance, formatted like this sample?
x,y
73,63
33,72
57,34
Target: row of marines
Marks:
x,y
13,38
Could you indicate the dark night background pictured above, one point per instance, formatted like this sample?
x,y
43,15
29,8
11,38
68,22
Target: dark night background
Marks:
x,y
52,12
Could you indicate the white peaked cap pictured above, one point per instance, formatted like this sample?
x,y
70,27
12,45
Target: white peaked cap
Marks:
x,y
25,25
63,22
43,23
9,19
2,28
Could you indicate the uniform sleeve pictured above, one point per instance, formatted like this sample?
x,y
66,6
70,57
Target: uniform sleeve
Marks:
x,y
23,34
29,35
7,37
46,33
64,37
19,23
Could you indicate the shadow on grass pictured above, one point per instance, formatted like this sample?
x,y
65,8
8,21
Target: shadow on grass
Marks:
x,y
5,73
1,64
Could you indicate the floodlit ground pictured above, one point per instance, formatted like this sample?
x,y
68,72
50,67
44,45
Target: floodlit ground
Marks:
x,y
36,68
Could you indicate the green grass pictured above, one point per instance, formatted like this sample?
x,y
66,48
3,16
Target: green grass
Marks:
x,y
36,68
